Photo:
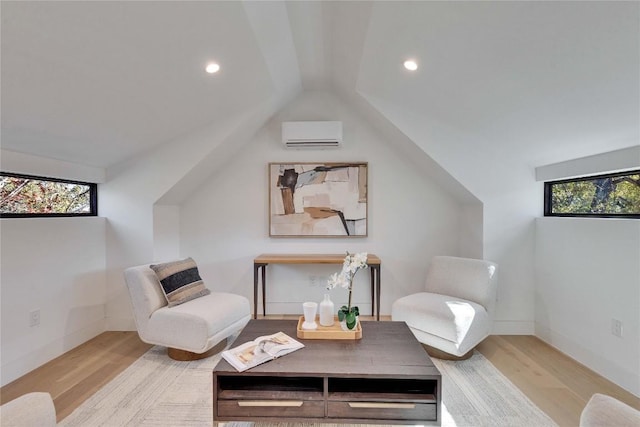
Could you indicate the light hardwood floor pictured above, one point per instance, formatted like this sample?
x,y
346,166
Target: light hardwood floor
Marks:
x,y
554,382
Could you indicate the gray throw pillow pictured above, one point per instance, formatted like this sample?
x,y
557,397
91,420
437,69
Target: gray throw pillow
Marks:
x,y
180,281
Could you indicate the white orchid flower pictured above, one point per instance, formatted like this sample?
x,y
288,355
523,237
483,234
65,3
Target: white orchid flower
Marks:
x,y
352,263
333,281
345,281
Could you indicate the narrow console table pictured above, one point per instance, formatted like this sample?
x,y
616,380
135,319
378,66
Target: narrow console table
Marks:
x,y
261,262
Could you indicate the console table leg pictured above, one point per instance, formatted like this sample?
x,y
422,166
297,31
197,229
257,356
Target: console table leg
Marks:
x,y
255,290
264,292
256,268
377,274
372,274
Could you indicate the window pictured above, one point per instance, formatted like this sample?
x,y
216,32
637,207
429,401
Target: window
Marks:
x,y
24,196
614,195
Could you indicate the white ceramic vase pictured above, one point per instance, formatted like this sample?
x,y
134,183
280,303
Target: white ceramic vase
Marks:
x,y
310,309
326,311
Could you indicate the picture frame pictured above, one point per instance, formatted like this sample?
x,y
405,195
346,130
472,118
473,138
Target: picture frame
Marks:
x,y
318,199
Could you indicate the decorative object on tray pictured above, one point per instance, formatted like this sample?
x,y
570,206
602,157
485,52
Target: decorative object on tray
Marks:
x,y
333,332
352,264
261,350
326,311
345,326
310,309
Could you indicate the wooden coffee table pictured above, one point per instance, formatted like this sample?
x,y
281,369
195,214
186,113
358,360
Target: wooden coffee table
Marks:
x,y
385,377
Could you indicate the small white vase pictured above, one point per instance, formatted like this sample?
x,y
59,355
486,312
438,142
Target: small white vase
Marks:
x,y
326,311
309,309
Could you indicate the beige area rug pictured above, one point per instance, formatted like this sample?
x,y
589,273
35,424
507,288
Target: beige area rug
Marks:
x,y
158,391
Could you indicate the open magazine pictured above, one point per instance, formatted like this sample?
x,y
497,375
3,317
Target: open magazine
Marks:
x,y
260,350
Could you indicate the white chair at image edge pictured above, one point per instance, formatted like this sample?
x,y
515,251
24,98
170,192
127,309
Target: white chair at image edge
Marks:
x,y
191,330
454,313
606,411
29,410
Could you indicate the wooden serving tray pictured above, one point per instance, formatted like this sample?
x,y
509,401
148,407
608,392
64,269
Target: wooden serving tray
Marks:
x,y
333,332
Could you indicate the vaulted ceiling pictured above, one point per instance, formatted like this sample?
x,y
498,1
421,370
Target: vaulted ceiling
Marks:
x,y
97,82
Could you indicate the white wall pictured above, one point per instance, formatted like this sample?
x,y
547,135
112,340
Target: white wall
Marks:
x,y
224,225
57,266
510,196
162,176
166,232
509,237
588,273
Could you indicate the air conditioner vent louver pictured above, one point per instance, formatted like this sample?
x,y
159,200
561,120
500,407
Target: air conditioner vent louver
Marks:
x,y
312,134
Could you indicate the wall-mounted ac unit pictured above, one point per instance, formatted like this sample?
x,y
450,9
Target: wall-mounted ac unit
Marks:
x,y
311,134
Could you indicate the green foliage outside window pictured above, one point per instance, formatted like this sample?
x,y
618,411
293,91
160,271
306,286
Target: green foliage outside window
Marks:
x,y
22,195
605,195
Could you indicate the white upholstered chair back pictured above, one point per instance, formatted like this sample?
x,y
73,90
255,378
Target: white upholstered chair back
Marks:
x,y
470,279
190,330
146,295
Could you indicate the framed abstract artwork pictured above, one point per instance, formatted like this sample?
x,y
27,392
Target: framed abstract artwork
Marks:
x,y
318,199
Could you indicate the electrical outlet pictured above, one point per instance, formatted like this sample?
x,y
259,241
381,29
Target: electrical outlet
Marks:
x,y
616,327
34,317
313,281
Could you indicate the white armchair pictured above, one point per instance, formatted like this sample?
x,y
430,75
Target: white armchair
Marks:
x,y
30,409
455,311
192,330
606,411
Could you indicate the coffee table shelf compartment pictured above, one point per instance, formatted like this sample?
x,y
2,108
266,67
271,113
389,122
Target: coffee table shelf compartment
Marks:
x,y
264,397
269,397
270,409
382,398
383,389
375,411
235,387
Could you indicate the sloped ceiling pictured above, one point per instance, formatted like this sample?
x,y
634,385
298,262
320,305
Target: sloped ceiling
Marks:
x,y
536,81
97,82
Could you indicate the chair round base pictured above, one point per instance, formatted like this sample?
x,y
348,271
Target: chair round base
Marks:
x,y
439,354
185,356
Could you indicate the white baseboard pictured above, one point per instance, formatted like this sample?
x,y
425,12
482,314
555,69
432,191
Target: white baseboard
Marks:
x,y
512,327
594,361
49,351
121,324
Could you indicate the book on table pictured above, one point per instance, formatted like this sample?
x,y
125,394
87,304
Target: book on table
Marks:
x,y
261,350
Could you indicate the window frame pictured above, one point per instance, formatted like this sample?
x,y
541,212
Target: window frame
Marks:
x,y
93,198
548,196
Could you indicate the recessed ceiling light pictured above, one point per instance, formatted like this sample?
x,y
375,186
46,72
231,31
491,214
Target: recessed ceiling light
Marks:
x,y
410,65
212,67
